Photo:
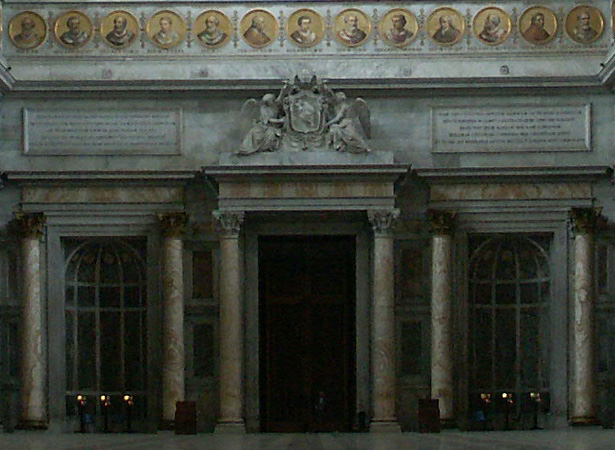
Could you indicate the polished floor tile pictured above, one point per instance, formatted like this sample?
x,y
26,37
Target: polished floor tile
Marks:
x,y
572,439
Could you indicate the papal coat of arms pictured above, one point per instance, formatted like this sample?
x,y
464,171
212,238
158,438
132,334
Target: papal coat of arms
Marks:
x,y
305,116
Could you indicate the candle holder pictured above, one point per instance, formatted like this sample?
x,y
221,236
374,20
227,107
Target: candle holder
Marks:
x,y
129,402
485,399
105,401
81,403
508,400
536,399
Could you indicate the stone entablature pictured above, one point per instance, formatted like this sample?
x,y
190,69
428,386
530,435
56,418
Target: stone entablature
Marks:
x,y
233,29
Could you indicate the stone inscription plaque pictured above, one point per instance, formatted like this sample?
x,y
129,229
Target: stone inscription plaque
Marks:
x,y
103,132
523,128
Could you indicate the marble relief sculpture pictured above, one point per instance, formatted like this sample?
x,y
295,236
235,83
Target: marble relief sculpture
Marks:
x,y
305,116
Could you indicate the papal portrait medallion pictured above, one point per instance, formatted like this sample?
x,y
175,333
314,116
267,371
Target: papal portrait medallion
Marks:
x,y
584,24
398,27
352,27
27,30
73,29
119,29
445,26
213,29
305,28
166,29
259,28
492,25
538,25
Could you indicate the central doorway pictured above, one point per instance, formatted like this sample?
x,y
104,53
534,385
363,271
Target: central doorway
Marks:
x,y
307,333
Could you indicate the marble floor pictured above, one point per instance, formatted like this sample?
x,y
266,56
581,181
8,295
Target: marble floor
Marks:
x,y
574,439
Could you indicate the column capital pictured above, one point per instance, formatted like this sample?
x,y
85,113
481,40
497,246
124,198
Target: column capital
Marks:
x,y
585,220
29,224
173,224
441,222
383,221
229,222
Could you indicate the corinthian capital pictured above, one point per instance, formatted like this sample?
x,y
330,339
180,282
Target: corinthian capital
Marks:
x,y
383,221
585,220
229,222
29,224
441,222
173,224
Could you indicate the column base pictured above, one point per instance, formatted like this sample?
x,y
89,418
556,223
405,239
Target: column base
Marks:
x,y
166,425
447,424
384,426
238,427
25,424
584,422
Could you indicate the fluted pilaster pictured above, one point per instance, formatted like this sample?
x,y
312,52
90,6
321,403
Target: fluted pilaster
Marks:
x,y
173,358
584,406
383,323
231,324
442,387
34,409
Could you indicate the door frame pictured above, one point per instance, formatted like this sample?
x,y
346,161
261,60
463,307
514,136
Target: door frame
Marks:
x,y
292,225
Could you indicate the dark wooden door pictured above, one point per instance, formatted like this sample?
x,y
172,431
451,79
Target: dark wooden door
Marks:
x,y
307,298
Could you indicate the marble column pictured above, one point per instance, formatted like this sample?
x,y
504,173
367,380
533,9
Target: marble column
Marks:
x,y
33,397
584,399
442,388
173,360
384,417
231,324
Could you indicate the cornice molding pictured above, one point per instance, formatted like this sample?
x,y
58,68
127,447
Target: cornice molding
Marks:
x,y
7,80
99,177
473,175
607,73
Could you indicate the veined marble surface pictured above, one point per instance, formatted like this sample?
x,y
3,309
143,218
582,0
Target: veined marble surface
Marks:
x,y
569,439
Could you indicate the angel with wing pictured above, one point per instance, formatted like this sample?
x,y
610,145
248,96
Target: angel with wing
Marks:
x,y
265,132
350,127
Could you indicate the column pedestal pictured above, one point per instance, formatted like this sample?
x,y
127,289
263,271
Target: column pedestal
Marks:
x,y
33,395
442,386
384,418
173,358
584,397
231,325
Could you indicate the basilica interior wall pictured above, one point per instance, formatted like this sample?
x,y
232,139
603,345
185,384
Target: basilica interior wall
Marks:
x,y
187,102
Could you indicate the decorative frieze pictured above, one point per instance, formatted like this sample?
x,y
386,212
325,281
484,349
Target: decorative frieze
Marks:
x,y
256,28
173,224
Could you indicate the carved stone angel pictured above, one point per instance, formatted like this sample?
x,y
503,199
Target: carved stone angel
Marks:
x,y
265,132
350,127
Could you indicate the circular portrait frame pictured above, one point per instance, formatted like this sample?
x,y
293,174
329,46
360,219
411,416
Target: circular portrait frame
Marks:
x,y
348,34
446,26
73,37
538,31
213,29
31,38
305,28
492,26
173,36
584,24
259,28
398,27
116,35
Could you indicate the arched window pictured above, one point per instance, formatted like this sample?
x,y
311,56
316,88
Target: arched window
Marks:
x,y
105,302
509,298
